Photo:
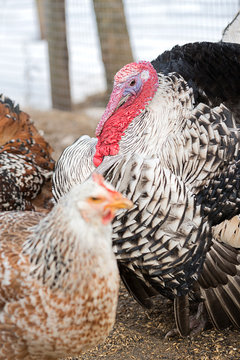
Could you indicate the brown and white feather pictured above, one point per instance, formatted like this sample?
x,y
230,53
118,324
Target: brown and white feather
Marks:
x,y
58,280
26,165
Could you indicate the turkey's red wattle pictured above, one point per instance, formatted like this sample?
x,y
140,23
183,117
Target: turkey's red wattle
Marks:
x,y
115,126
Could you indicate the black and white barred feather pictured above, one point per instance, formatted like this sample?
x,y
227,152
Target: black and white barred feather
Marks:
x,y
179,163
78,167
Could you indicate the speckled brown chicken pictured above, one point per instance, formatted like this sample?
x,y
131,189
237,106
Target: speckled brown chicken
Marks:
x,y
58,275
25,161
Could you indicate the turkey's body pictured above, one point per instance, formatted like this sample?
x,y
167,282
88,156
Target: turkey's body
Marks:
x,y
209,68
175,154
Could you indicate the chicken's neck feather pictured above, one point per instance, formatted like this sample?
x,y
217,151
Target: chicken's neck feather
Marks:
x,y
64,253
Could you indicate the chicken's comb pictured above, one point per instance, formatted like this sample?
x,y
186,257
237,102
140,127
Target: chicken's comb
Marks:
x,y
99,179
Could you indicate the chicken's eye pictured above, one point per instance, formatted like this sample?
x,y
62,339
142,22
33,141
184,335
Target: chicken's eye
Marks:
x,y
95,199
132,83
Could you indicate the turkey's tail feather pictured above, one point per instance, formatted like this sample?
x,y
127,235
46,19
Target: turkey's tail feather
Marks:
x,y
220,285
228,232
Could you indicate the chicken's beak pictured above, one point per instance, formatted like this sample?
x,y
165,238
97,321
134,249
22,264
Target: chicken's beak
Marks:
x,y
116,202
119,202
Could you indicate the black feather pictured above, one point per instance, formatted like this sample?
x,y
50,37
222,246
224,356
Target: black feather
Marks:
x,y
181,312
206,67
136,287
215,309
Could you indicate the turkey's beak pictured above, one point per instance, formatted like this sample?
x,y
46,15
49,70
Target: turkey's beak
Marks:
x,y
117,99
122,101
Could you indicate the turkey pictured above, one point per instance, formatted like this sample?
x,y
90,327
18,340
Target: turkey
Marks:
x,y
59,278
26,165
168,140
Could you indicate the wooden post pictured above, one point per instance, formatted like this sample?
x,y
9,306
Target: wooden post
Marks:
x,y
113,35
58,53
41,18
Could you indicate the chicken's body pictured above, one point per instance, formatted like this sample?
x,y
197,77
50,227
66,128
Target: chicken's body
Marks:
x,y
58,277
25,161
171,123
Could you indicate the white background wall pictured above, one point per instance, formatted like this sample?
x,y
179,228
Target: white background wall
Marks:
x,y
154,26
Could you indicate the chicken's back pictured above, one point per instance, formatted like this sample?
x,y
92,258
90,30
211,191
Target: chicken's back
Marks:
x,y
26,164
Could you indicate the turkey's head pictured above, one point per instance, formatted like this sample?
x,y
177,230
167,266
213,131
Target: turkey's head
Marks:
x,y
134,86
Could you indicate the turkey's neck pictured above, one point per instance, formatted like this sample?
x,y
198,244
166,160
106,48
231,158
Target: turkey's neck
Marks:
x,y
115,127
65,254
161,121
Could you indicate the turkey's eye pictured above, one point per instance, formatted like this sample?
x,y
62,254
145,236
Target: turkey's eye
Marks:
x,y
132,83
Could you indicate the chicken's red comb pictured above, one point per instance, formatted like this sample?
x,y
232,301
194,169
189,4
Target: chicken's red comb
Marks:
x,y
99,179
